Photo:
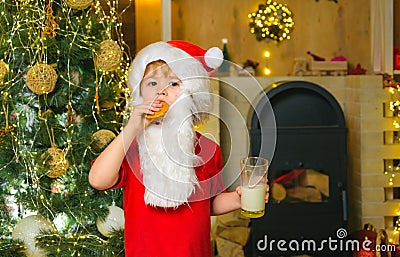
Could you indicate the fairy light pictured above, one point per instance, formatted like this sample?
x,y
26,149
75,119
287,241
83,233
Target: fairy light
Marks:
x,y
267,70
397,225
393,88
272,21
391,179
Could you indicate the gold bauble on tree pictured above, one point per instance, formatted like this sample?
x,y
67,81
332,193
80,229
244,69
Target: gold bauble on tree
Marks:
x,y
3,70
41,78
55,161
79,4
101,138
109,55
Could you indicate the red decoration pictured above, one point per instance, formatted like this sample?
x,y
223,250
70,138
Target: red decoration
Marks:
x,y
361,236
358,70
316,57
396,58
288,176
388,81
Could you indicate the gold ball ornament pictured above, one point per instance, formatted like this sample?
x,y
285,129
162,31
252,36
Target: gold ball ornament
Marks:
x,y
3,70
79,4
109,55
101,138
115,220
41,78
28,229
55,161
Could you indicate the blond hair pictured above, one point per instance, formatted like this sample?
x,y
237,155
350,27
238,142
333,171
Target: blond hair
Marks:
x,y
159,64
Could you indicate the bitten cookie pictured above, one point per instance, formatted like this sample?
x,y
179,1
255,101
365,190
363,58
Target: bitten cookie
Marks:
x,y
163,109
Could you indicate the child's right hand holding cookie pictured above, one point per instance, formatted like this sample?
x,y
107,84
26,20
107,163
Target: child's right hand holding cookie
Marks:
x,y
140,116
160,113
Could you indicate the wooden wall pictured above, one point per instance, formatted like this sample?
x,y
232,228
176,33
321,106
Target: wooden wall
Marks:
x,y
127,8
148,22
325,28
396,23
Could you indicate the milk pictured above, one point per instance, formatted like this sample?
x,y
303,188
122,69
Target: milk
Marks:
x,y
253,199
253,179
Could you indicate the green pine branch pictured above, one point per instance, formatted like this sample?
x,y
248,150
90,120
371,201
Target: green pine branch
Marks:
x,y
84,100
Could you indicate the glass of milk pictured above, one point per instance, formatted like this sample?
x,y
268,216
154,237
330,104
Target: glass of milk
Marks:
x,y
253,182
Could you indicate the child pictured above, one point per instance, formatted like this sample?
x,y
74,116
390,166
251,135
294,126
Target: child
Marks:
x,y
170,174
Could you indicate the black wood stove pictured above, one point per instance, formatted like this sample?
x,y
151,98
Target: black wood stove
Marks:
x,y
307,208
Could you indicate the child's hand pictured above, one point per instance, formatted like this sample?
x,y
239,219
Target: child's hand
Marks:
x,y
239,192
138,116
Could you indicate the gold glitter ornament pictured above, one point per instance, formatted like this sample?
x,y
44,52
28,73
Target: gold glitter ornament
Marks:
x,y
41,78
3,70
101,138
109,55
55,161
79,4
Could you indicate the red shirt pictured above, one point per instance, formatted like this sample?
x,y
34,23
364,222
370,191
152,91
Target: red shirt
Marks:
x,y
168,232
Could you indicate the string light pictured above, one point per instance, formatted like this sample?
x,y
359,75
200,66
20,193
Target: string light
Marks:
x,y
392,167
393,88
397,226
267,70
394,106
272,21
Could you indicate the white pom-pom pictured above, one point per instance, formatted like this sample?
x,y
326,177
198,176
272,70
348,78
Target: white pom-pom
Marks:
x,y
213,57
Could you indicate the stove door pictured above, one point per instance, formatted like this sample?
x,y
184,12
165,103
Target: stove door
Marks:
x,y
307,174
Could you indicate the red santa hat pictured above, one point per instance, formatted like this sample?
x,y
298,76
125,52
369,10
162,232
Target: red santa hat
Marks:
x,y
188,61
211,58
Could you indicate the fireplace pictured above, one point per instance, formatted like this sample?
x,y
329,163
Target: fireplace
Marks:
x,y
307,173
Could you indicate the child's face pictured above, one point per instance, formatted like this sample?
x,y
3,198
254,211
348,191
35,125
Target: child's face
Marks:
x,y
160,83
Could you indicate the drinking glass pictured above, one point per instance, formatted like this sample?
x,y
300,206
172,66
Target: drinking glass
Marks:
x,y
253,182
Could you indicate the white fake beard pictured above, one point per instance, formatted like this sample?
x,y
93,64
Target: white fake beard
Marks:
x,y
167,157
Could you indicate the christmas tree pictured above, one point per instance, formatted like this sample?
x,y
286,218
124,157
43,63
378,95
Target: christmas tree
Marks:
x,y
63,72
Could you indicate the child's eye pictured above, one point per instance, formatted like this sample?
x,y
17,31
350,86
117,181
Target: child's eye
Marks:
x,y
152,84
174,83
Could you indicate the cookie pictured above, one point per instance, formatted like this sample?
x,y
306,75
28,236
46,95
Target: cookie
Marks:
x,y
163,109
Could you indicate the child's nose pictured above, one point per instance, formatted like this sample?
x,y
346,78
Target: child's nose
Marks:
x,y
163,92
